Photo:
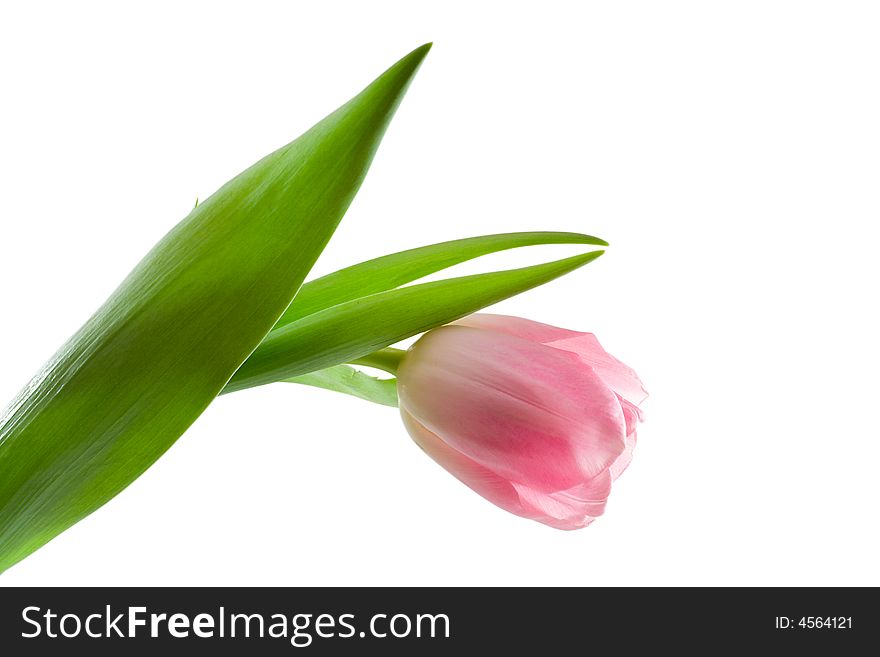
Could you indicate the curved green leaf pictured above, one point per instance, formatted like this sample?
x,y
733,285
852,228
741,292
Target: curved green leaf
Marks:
x,y
356,328
145,366
396,269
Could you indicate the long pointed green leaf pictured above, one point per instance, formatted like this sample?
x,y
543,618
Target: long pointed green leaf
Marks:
x,y
348,380
396,269
353,329
143,368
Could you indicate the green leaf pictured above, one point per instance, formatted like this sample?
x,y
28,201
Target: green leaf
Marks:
x,y
146,365
356,328
391,271
348,380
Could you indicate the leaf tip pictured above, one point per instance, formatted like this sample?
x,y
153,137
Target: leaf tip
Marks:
x,y
414,59
584,258
591,239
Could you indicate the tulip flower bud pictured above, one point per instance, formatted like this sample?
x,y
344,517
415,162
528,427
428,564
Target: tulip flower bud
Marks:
x,y
538,420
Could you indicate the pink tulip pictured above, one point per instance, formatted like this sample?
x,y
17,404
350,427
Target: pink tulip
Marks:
x,y
538,420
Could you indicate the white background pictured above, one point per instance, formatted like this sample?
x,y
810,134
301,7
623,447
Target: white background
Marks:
x,y
729,151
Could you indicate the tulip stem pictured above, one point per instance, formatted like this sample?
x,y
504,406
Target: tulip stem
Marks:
x,y
387,359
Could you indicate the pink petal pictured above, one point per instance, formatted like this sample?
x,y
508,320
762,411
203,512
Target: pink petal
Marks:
x,y
481,480
528,412
570,509
633,416
625,458
619,377
517,327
